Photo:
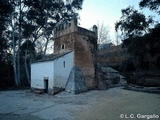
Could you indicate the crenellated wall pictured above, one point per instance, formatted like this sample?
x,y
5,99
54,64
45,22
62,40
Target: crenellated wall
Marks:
x,y
65,28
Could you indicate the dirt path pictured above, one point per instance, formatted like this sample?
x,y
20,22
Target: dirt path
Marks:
x,y
93,105
118,101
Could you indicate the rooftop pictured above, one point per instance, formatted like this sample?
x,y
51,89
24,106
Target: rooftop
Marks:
x,y
51,57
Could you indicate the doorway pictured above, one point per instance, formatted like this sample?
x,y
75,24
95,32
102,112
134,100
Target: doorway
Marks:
x,y
158,62
46,85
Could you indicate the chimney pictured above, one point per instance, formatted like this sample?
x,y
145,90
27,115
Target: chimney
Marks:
x,y
95,29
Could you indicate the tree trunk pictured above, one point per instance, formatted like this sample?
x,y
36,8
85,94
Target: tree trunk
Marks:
x,y
14,52
47,37
19,43
26,68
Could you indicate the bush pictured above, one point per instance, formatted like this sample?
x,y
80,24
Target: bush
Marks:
x,y
7,77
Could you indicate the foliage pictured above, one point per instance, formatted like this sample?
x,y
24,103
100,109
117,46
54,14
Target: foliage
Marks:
x,y
140,40
42,15
5,12
6,69
133,23
151,4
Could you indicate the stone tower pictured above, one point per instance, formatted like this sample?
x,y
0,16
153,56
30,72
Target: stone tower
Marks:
x,y
83,43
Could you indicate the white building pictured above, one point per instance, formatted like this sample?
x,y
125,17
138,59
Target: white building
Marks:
x,y
51,74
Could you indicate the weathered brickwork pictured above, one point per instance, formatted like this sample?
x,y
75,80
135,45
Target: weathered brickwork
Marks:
x,y
66,40
84,44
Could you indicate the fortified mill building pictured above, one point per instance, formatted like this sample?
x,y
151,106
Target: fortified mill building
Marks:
x,y
72,66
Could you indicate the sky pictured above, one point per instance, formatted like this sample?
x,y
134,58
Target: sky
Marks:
x,y
106,12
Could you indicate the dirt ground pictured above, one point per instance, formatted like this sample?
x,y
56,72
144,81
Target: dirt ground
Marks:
x,y
92,105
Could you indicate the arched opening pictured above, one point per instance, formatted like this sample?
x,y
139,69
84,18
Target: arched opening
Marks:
x,y
46,85
62,46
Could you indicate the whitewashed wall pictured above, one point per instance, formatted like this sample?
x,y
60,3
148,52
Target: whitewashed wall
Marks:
x,y
39,71
61,73
55,71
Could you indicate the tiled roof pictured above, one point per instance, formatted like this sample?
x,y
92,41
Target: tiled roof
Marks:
x,y
51,57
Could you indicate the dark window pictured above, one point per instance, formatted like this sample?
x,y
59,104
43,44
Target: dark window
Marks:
x,y
64,64
62,47
69,24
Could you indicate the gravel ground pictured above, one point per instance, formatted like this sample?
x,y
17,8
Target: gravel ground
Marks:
x,y
92,105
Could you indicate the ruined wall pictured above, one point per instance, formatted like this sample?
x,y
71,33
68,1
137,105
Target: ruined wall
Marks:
x,y
111,56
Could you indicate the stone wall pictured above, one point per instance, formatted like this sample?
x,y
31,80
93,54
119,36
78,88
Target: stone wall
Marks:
x,y
109,77
84,44
112,56
85,59
66,40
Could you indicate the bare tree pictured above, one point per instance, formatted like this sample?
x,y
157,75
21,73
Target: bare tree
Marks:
x,y
118,38
103,34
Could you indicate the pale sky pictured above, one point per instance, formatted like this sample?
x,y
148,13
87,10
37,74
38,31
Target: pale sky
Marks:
x,y
104,11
